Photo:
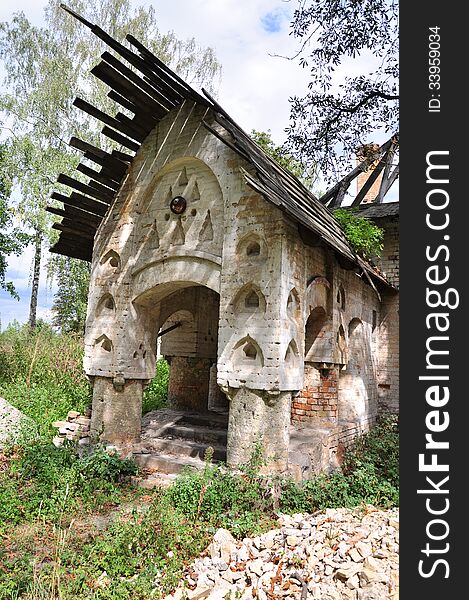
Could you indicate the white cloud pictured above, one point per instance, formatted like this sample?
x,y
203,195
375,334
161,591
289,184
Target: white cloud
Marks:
x,y
255,86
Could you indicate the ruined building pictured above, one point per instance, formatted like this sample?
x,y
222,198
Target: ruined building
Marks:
x,y
263,309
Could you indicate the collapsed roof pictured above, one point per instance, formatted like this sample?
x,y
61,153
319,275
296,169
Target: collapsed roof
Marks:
x,y
150,95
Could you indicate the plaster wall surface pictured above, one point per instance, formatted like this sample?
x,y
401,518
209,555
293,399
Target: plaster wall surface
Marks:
x,y
261,312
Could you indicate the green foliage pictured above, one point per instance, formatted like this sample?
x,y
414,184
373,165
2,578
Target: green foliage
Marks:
x,y
338,113
71,298
283,158
156,392
380,448
153,548
241,503
41,373
369,474
12,240
41,480
144,552
364,236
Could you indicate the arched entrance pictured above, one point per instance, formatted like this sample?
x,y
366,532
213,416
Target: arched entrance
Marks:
x,y
188,340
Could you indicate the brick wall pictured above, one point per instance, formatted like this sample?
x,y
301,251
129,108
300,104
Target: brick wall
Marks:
x,y
318,398
189,383
389,260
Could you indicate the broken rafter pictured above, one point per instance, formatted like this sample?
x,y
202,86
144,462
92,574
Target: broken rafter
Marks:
x,y
99,156
132,132
102,193
97,176
330,196
111,77
81,232
166,104
120,139
79,201
73,252
174,84
81,216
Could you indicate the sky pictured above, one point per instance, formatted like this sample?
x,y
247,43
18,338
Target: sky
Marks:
x,y
255,86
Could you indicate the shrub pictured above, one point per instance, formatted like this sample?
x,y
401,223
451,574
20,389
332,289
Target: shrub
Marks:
x,y
380,448
41,374
156,392
369,474
42,480
364,236
241,502
147,551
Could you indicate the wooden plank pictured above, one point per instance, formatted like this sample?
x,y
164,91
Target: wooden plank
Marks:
x,y
89,148
366,187
96,208
120,139
363,166
126,53
74,223
122,156
108,168
97,176
82,253
93,204
103,194
166,104
75,230
225,141
124,87
85,106
158,67
100,157
140,110
75,213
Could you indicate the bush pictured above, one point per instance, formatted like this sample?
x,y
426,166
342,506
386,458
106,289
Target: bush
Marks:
x,y
369,475
241,502
380,448
156,393
42,480
364,236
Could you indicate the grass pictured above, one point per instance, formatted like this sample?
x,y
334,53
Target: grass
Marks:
x,y
41,374
72,525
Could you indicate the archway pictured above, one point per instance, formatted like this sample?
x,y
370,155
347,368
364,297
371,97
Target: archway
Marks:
x,y
188,334
353,398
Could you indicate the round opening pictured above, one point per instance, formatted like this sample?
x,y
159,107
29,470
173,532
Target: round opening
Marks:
x,y
178,205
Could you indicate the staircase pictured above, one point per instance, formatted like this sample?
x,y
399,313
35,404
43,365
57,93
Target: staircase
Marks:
x,y
172,440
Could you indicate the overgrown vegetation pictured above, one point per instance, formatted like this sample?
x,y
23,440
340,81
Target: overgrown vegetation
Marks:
x,y
156,392
41,373
364,236
72,526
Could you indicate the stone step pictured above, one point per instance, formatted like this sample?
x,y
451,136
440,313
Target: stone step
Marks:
x,y
211,420
196,433
165,463
179,447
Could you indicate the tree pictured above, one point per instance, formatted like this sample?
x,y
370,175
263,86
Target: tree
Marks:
x,y
283,158
12,240
45,69
70,301
336,117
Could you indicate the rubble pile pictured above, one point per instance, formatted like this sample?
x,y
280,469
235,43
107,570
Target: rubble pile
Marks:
x,y
75,428
333,555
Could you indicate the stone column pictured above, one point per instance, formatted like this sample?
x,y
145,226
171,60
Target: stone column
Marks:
x,y
116,416
258,415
